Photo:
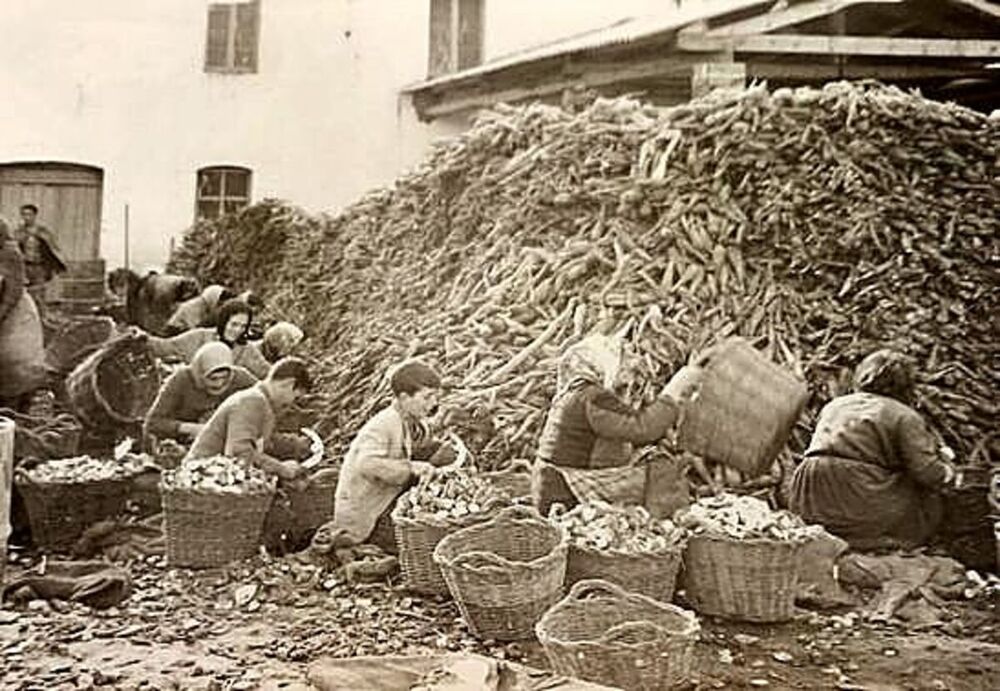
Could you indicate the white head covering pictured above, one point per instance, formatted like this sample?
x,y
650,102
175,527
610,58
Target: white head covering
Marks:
x,y
596,359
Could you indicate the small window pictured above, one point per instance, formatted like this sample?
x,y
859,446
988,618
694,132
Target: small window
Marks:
x,y
221,190
456,36
231,43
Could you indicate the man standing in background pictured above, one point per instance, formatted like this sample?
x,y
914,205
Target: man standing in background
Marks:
x,y
42,260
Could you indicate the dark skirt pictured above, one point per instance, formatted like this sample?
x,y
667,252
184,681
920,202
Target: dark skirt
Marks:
x,y
868,506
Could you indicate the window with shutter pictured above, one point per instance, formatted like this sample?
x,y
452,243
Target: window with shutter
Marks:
x,y
231,42
221,190
456,35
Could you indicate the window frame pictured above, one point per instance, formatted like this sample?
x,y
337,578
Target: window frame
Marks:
x,y
221,198
230,66
451,29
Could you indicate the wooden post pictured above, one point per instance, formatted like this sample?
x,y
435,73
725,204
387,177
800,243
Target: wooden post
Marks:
x,y
707,76
6,488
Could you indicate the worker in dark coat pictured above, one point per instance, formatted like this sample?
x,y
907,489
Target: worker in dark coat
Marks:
x,y
873,471
586,444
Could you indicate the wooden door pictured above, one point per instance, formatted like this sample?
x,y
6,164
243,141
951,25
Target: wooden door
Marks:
x,y
68,197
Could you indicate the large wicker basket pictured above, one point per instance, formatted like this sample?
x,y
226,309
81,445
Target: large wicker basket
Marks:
x,y
602,633
206,529
504,573
115,385
653,574
514,480
742,408
415,542
59,512
747,580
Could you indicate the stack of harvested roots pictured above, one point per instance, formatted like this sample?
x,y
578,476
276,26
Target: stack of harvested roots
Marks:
x,y
820,224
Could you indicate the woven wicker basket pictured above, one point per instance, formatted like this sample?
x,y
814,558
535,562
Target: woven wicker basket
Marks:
x,y
744,409
58,512
652,574
504,573
514,480
747,580
206,529
416,540
114,386
604,634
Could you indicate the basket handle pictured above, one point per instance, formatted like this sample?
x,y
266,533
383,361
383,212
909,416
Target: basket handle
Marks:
x,y
593,588
632,630
480,560
518,512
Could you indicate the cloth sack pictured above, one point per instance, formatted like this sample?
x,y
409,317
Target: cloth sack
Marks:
x,y
94,583
22,352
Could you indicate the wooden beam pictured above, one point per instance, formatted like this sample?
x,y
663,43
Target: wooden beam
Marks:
x,y
797,44
432,104
769,21
860,70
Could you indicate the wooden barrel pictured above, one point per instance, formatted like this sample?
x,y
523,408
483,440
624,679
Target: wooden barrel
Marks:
x,y
6,488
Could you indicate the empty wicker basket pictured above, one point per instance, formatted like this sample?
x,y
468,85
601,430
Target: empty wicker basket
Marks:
x,y
602,633
505,573
747,580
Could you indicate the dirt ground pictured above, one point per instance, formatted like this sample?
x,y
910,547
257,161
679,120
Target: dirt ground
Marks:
x,y
258,625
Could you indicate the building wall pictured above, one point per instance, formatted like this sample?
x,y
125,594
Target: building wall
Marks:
x,y
120,85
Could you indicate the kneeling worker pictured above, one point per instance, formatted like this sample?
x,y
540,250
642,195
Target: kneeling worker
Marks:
x,y
380,463
244,423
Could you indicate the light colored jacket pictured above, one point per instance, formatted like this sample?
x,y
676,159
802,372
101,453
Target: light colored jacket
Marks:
x,y
376,470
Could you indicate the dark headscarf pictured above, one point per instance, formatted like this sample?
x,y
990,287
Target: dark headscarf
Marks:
x,y
885,372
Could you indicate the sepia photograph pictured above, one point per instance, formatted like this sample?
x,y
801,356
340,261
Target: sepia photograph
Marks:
x,y
499,345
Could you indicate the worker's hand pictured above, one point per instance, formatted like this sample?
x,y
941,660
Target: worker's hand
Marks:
x,y
289,470
444,455
190,429
683,384
421,469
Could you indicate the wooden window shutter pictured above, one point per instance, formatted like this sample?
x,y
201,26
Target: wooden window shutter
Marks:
x,y
217,41
470,33
439,57
245,40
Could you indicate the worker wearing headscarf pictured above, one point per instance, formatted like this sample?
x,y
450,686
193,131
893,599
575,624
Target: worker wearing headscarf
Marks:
x,y
279,341
22,355
873,469
231,328
585,445
199,311
193,392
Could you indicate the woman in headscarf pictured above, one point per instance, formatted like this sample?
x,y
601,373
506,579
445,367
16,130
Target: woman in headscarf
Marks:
x,y
192,393
22,355
200,311
232,328
873,470
584,449
279,341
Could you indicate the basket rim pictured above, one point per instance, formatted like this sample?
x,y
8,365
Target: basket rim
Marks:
x,y
510,514
715,537
21,477
430,521
624,554
166,488
691,629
